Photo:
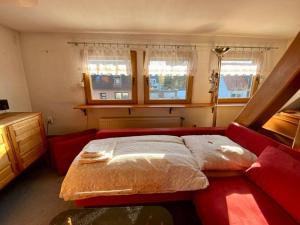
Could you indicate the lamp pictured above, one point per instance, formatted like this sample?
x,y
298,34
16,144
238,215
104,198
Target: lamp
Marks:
x,y
215,80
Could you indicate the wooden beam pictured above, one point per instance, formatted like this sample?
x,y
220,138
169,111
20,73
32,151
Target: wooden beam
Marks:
x,y
278,88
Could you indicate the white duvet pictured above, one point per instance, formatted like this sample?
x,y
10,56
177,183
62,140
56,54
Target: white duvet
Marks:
x,y
140,165
216,152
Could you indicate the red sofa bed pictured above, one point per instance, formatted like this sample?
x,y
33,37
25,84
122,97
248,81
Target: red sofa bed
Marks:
x,y
268,192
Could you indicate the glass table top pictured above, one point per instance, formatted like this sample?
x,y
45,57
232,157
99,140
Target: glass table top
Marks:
x,y
132,215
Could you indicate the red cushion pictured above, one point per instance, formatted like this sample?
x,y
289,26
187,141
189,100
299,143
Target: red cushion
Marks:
x,y
249,139
236,201
108,133
277,172
135,199
63,149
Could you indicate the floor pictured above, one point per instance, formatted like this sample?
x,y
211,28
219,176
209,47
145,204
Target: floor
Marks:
x,y
32,199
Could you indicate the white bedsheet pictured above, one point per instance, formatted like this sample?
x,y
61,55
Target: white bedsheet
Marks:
x,y
216,152
140,165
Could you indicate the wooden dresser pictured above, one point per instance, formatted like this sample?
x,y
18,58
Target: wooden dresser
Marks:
x,y
22,141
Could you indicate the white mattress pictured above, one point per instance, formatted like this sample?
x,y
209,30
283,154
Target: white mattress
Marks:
x,y
140,165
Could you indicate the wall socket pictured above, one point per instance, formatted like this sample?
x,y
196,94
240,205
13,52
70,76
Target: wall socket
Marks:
x,y
50,120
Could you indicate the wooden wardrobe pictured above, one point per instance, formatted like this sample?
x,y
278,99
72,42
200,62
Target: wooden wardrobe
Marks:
x,y
22,141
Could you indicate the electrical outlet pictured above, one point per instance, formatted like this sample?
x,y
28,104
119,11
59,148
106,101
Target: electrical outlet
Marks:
x,y
50,120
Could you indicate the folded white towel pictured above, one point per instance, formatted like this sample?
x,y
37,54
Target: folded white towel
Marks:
x,y
92,154
97,153
94,160
96,149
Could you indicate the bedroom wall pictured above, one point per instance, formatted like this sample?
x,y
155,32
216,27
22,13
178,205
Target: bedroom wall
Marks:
x,y
13,84
53,71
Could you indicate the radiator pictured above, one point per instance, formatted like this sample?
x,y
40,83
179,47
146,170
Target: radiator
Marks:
x,y
140,122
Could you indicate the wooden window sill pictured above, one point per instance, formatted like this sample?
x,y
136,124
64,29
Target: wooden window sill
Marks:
x,y
84,108
233,100
231,104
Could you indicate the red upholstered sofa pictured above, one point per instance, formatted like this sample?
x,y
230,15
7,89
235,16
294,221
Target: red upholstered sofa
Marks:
x,y
268,192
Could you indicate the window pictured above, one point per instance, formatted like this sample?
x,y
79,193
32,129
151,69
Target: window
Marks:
x,y
121,95
117,81
168,81
111,80
237,80
103,95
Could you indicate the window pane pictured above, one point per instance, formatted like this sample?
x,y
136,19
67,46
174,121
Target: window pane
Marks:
x,y
167,80
236,78
110,79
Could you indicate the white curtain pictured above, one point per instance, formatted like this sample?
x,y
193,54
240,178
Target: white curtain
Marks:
x,y
106,59
255,57
170,60
239,68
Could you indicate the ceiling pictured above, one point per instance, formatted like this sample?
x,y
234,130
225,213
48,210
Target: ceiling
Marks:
x,y
274,18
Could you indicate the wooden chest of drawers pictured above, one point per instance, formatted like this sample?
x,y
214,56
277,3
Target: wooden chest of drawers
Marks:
x,y
7,166
22,141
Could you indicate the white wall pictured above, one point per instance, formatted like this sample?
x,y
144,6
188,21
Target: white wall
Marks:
x,y
13,85
53,72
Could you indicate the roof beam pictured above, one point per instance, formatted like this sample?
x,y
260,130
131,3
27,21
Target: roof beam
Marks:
x,y
278,88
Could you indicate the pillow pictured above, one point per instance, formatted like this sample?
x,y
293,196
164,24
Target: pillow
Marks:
x,y
218,152
277,172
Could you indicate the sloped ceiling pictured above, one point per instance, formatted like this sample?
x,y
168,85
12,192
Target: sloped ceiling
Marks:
x,y
276,18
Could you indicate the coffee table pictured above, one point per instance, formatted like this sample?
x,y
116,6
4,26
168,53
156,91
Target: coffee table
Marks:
x,y
132,215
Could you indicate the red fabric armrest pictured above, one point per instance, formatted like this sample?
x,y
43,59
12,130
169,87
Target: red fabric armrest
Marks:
x,y
64,148
109,133
277,173
249,139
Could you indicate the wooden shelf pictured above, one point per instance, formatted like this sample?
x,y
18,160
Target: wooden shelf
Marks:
x,y
133,106
231,105
84,108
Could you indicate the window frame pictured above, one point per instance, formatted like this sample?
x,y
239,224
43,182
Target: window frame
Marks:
x,y
133,100
254,87
187,100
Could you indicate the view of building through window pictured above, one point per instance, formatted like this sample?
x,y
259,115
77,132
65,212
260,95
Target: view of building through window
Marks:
x,y
121,95
167,81
236,78
110,79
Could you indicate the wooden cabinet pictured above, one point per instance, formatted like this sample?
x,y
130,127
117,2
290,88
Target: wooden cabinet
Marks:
x,y
286,124
22,141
